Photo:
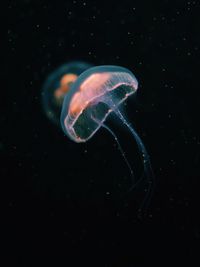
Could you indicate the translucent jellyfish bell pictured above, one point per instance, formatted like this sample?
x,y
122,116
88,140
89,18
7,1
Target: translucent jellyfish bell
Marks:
x,y
97,92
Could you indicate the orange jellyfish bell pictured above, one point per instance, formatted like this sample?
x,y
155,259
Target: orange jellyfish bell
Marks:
x,y
97,92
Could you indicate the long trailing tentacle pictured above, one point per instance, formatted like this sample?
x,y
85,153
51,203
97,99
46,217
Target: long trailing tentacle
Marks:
x,y
122,152
119,147
148,171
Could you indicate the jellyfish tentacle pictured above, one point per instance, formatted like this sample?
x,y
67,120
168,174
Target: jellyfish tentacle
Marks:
x,y
148,172
119,147
122,152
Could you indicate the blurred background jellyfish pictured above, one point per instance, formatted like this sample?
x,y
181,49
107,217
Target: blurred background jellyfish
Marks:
x,y
57,85
87,95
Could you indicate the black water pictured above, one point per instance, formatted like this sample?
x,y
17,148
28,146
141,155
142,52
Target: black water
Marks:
x,y
65,201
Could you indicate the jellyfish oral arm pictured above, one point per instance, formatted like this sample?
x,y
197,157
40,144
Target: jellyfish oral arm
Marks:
x,y
120,149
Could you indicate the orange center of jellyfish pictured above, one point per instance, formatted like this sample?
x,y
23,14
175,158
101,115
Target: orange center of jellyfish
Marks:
x,y
65,84
88,91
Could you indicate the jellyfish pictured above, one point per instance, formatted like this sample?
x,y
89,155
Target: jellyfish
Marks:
x,y
57,85
88,99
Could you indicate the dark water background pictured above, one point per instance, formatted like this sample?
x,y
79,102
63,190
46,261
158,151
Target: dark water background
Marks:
x,y
63,200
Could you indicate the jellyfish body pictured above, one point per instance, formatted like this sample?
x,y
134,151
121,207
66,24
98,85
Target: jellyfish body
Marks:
x,y
57,85
96,93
